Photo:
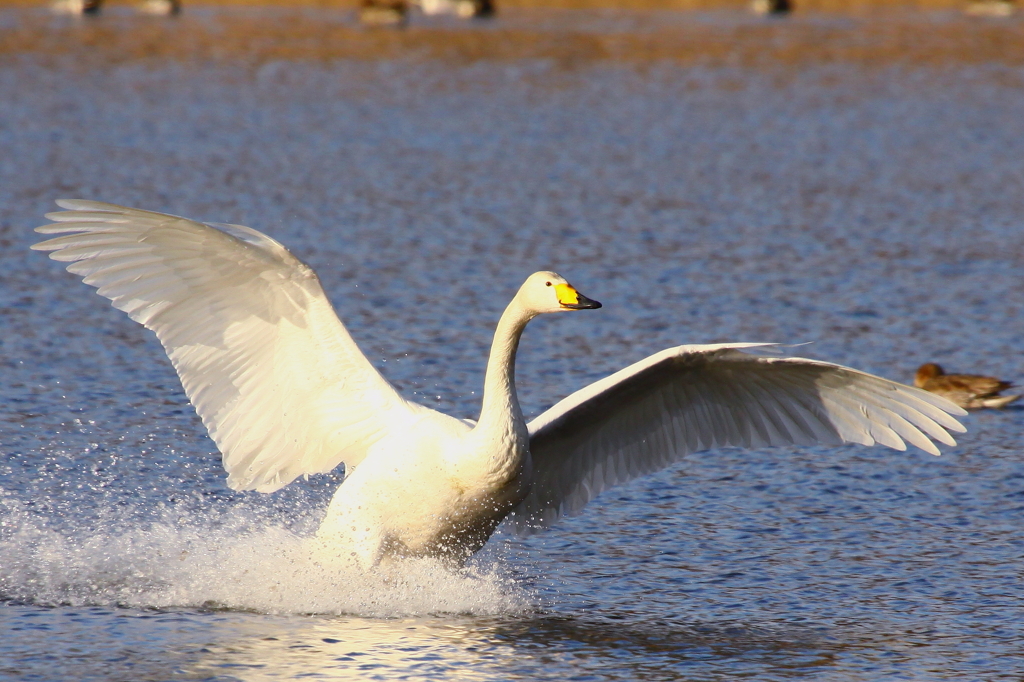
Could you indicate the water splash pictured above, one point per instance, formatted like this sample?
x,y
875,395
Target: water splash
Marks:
x,y
228,560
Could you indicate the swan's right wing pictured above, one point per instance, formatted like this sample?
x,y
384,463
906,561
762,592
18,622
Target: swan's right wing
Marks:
x,y
694,398
275,377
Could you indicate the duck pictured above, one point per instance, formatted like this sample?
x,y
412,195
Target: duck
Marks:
x,y
970,391
393,13
990,8
284,392
161,8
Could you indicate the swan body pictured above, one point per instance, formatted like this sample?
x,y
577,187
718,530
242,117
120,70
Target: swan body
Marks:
x,y
284,391
464,9
428,493
970,391
771,7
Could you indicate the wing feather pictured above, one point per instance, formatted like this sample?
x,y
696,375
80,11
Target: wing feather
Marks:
x,y
695,398
275,377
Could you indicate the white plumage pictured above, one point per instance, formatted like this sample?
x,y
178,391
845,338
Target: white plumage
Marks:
x,y
285,391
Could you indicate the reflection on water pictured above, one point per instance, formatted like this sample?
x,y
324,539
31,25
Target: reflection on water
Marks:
x,y
479,648
876,212
256,647
67,644
351,649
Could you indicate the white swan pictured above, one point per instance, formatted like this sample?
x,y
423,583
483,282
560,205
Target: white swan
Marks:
x,y
75,6
284,391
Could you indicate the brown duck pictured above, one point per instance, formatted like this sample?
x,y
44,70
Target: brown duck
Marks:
x,y
970,391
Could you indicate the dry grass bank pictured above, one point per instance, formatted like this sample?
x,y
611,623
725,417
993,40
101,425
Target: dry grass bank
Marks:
x,y
220,35
854,6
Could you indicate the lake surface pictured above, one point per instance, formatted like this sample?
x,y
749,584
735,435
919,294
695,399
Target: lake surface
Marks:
x,y
875,211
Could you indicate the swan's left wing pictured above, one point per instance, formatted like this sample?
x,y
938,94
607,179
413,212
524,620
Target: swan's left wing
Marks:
x,y
694,398
272,372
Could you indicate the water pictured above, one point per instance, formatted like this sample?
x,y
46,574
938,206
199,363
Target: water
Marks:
x,y
874,211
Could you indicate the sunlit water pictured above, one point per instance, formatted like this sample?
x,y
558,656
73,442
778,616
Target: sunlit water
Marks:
x,y
878,215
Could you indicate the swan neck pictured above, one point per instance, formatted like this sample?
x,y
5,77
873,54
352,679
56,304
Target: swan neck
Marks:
x,y
500,402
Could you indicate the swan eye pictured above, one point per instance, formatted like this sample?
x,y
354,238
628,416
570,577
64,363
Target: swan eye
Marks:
x,y
547,284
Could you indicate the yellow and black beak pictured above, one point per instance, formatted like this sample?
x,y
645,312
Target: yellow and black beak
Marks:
x,y
570,299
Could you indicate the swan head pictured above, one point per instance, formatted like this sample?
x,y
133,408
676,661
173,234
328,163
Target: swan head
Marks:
x,y
548,292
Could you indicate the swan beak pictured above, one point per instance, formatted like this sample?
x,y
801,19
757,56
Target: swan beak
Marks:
x,y
570,299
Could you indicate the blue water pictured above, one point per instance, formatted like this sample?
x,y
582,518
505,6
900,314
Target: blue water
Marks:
x,y
878,214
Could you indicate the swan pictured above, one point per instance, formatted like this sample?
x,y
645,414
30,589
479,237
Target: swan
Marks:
x,y
76,6
771,7
464,9
284,391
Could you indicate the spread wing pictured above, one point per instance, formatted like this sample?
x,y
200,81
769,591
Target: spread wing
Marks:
x,y
275,377
694,398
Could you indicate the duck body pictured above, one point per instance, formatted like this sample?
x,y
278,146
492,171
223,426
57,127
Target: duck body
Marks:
x,y
161,8
990,8
284,391
969,391
390,13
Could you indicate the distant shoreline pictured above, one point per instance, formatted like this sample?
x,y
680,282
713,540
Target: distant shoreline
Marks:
x,y
213,35
845,6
